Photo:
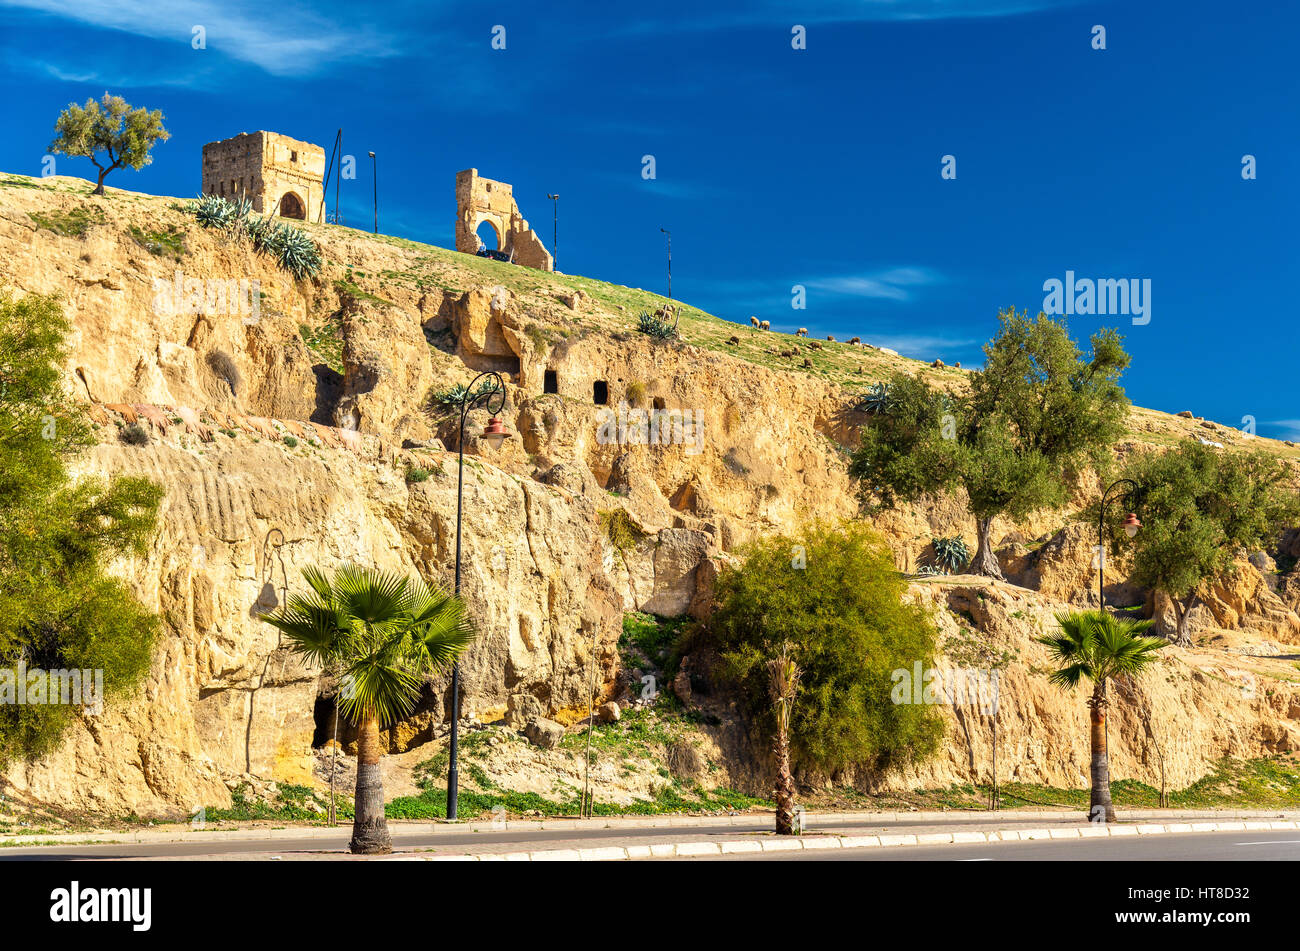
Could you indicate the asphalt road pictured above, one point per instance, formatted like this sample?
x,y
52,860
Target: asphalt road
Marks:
x,y
1276,845
1199,846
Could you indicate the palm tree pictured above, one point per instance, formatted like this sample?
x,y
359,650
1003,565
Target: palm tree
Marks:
x,y
783,678
1097,646
384,632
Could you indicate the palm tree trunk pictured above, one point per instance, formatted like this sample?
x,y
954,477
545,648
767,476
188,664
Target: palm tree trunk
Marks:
x,y
1100,807
986,560
369,827
784,782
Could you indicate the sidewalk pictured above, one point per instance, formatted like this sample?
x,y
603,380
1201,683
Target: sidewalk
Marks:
x,y
868,828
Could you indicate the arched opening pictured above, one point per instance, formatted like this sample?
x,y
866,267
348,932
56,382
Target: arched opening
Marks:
x,y
487,235
291,206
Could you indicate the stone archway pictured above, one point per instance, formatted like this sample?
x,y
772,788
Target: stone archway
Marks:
x,y
497,228
291,206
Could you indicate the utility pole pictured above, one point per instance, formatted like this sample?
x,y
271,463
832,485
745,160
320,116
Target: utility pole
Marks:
x,y
374,163
670,261
555,230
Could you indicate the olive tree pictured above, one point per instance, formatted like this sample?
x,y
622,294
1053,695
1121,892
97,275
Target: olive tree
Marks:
x,y
124,134
1038,410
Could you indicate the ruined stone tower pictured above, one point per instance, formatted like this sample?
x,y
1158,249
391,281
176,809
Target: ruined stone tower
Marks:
x,y
275,172
481,199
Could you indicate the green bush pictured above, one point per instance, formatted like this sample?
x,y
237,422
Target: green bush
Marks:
x,y
416,474
59,610
833,592
291,441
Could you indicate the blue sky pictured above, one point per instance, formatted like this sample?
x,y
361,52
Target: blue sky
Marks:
x,y
775,166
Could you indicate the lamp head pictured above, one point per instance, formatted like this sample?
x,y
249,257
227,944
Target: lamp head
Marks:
x,y
496,433
1131,525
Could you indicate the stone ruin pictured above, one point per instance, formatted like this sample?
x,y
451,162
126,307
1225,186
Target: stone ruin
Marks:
x,y
481,199
277,173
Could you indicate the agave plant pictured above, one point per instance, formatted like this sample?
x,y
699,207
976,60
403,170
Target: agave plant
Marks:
x,y
296,252
459,394
654,327
260,230
876,399
950,554
216,211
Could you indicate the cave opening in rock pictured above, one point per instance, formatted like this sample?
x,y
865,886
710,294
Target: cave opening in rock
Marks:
x,y
323,715
600,393
550,382
659,403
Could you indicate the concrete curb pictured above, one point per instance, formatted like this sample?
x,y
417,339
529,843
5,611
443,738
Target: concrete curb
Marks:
x,y
742,822
818,842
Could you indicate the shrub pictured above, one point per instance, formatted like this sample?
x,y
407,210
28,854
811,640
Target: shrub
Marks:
x,y
224,367
832,592
134,434
416,474
291,441
59,609
635,393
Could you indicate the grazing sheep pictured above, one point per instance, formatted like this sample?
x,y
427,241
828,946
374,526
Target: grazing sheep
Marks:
x,y
733,340
855,340
807,363
814,345
957,365
830,337
801,332
754,320
766,324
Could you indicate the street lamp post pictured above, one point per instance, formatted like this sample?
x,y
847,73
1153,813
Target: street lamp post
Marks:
x,y
374,164
555,230
1131,526
493,396
670,261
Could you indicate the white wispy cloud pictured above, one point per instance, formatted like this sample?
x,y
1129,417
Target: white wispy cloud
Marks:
x,y
769,12
892,284
1290,428
284,39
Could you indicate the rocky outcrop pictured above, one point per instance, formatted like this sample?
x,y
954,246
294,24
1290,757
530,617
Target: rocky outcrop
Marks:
x,y
700,450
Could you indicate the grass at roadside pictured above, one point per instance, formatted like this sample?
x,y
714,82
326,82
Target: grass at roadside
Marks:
x,y
1266,783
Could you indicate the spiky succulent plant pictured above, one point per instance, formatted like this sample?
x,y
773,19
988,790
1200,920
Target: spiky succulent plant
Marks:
x,y
876,398
950,554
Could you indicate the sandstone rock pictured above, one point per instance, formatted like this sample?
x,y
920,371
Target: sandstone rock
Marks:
x,y
609,712
544,733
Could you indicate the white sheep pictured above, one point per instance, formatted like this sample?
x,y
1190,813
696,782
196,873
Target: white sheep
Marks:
x,y
766,325
753,320
801,332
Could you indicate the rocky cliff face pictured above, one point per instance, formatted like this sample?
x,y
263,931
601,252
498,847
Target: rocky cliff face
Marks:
x,y
342,367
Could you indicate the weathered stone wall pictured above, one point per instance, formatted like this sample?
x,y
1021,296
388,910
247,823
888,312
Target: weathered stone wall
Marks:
x,y
272,170
481,199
